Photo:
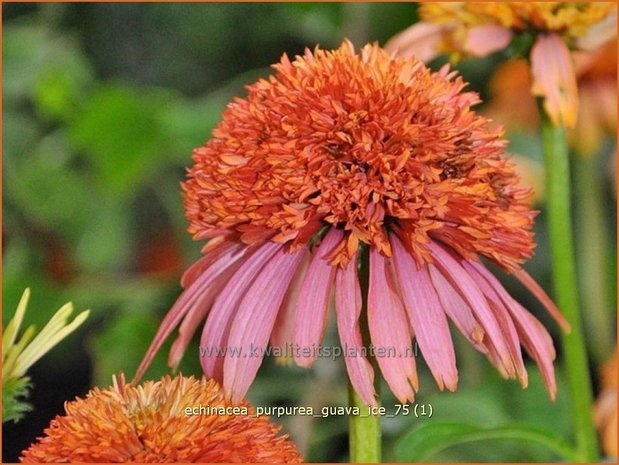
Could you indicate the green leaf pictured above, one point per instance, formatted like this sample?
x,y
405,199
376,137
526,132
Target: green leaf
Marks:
x,y
23,55
49,192
20,133
103,244
42,65
119,131
58,90
423,442
14,392
189,122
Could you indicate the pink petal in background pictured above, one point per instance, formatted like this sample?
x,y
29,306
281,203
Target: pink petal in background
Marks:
x,y
419,40
554,79
483,40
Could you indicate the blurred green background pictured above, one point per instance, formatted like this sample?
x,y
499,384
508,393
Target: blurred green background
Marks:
x,y
102,105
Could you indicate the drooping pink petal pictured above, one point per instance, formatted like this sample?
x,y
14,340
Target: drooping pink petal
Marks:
x,y
389,330
192,300
533,335
281,336
348,311
420,40
535,289
196,314
311,317
486,39
255,318
554,79
426,316
470,292
537,343
195,269
504,319
458,310
217,327
462,315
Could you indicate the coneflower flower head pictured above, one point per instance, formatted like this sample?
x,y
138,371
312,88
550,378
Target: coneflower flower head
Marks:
x,y
570,19
337,153
149,423
552,28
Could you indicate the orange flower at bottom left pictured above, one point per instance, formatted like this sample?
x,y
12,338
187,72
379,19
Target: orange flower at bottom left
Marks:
x,y
153,422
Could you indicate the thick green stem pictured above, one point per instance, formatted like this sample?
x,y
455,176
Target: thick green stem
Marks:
x,y
593,244
363,433
364,430
565,284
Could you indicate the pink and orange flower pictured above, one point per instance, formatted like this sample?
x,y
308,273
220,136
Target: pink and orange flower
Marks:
x,y
596,74
340,161
480,28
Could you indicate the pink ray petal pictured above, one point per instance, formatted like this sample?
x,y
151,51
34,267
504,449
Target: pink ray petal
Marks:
x,y
486,39
458,310
224,308
255,318
196,314
348,311
210,252
535,289
281,335
419,40
427,317
389,330
222,260
468,289
554,79
495,360
311,317
503,317
537,343
196,269
533,335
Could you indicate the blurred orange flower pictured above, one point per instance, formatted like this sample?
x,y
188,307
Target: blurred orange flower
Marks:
x,y
606,408
149,423
513,105
480,28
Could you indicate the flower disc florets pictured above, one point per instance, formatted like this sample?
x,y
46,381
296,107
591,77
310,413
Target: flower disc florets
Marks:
x,y
180,419
571,19
367,143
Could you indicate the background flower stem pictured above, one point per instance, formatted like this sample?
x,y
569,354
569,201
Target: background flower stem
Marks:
x,y
364,430
559,210
594,253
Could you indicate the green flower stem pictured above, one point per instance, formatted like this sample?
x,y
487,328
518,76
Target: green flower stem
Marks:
x,y
566,289
594,254
364,430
